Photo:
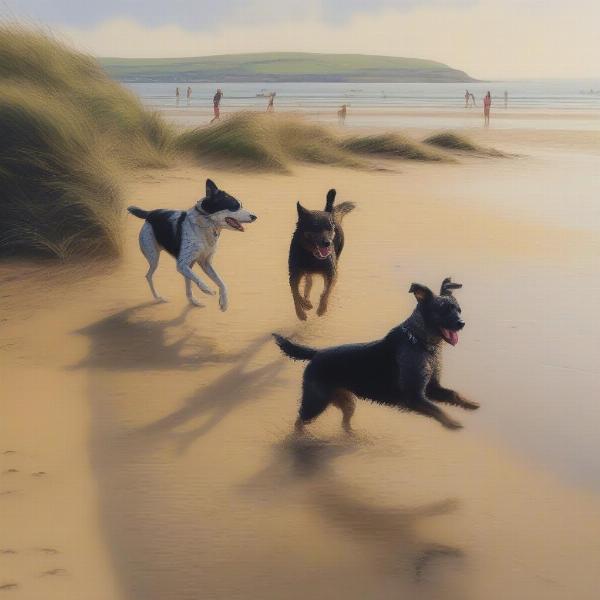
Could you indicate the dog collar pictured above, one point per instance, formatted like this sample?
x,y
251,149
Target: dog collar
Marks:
x,y
207,217
414,340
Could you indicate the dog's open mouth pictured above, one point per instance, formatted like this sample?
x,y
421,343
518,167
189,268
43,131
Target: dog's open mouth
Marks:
x,y
234,223
449,336
322,252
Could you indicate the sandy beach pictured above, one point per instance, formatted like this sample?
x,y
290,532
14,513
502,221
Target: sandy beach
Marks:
x,y
146,449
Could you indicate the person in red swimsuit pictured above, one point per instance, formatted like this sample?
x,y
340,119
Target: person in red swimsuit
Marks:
x,y
216,102
487,103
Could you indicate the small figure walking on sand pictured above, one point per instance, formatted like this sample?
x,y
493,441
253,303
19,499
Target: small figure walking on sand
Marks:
x,y
505,98
189,95
216,102
487,103
473,98
270,106
342,114
177,95
467,98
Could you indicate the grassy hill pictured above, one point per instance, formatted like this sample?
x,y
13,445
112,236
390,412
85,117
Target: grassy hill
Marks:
x,y
282,66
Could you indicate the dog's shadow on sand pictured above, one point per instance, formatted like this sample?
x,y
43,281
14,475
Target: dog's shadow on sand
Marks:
x,y
389,535
132,340
239,384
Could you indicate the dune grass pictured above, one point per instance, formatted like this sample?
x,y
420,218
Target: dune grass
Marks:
x,y
239,141
448,140
265,142
58,190
65,129
393,146
272,142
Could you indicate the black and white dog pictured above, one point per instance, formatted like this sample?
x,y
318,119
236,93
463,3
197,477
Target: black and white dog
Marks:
x,y
191,236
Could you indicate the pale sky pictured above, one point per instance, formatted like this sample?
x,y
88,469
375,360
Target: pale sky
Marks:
x,y
486,38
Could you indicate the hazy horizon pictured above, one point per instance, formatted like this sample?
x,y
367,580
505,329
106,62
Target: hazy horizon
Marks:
x,y
511,40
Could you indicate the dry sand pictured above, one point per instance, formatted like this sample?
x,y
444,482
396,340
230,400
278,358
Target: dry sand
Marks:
x,y
163,431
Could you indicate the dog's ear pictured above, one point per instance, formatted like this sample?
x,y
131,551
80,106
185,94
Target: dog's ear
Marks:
x,y
330,200
302,212
422,292
211,188
448,286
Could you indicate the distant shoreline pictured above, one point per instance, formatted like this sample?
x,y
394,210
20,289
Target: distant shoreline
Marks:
x,y
188,78
278,67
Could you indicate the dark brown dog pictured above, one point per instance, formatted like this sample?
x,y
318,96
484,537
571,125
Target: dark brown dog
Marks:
x,y
315,250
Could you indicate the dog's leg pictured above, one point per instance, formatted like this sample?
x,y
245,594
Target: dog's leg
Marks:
x,y
315,399
151,251
210,271
294,285
345,401
323,303
308,282
420,404
186,270
188,293
436,392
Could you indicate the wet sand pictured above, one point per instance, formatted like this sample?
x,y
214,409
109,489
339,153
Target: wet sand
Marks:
x,y
160,435
580,121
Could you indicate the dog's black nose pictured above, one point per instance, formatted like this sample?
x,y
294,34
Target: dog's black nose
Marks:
x,y
325,243
253,217
460,324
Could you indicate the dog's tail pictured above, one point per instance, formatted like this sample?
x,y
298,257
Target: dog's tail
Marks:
x,y
341,210
292,350
140,213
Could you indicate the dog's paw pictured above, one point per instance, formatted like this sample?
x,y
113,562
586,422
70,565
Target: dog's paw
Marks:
x,y
469,404
306,303
195,302
321,310
223,302
301,315
160,300
452,424
208,291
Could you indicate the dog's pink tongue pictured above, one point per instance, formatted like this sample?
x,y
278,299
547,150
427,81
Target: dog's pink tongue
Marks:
x,y
450,336
323,251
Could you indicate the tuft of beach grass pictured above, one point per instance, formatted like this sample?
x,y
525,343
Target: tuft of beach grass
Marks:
x,y
65,130
448,140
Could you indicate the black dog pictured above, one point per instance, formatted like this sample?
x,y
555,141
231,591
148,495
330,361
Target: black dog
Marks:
x,y
315,250
401,370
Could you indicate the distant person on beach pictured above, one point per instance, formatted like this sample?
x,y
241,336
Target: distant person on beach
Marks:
x,y
342,114
473,99
216,102
177,95
467,97
487,103
505,98
189,95
270,106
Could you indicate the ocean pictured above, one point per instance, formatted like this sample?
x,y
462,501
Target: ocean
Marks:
x,y
549,104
